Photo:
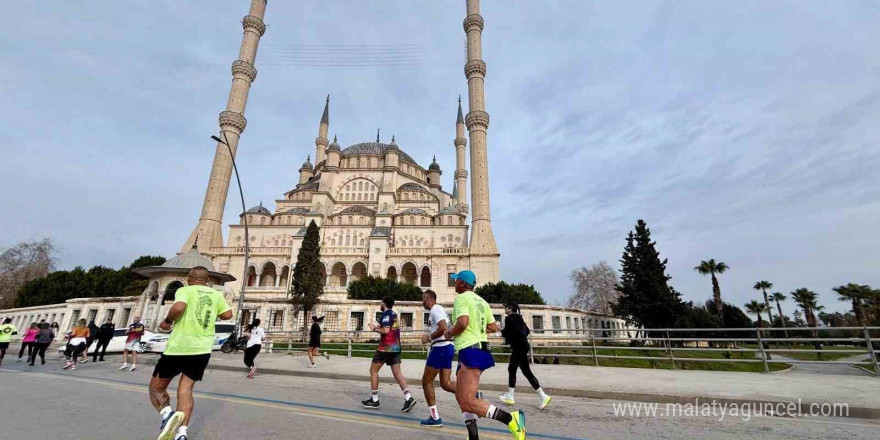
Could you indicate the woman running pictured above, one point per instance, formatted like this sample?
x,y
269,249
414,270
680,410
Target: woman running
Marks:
x,y
76,344
45,336
27,341
315,341
516,334
254,344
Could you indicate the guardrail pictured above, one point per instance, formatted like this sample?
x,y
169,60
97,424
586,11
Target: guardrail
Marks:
x,y
692,345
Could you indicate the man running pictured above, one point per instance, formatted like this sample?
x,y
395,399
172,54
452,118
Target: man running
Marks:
x,y
473,321
439,358
132,344
196,308
387,353
6,332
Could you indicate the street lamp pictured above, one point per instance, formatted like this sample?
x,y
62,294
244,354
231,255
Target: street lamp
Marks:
x,y
247,242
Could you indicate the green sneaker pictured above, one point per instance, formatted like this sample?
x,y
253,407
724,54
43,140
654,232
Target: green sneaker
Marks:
x,y
507,399
517,426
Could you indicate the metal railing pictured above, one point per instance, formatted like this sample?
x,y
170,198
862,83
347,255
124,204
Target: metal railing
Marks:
x,y
750,345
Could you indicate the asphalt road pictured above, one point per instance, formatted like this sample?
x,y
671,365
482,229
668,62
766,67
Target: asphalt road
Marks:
x,y
99,401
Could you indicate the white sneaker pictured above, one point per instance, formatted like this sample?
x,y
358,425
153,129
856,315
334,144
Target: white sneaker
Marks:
x,y
133,367
311,366
507,398
124,366
326,355
544,402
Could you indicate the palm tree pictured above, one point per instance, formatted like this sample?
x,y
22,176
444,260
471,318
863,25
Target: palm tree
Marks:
x,y
763,286
807,299
779,297
856,294
756,307
710,267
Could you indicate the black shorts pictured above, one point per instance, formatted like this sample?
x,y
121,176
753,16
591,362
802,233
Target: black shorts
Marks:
x,y
315,343
4,345
192,366
387,358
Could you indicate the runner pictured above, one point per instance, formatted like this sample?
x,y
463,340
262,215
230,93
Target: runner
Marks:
x,y
516,333
132,344
105,334
195,310
439,359
76,344
45,336
473,320
6,332
315,341
389,354
93,335
255,335
27,341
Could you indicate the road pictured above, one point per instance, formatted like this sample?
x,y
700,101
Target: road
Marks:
x,y
828,368
99,401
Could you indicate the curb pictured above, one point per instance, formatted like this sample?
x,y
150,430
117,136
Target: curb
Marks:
x,y
804,407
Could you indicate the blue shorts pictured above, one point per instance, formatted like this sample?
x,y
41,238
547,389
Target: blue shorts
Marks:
x,y
440,358
475,358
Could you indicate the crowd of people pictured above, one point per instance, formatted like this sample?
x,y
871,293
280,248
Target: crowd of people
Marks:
x,y
190,322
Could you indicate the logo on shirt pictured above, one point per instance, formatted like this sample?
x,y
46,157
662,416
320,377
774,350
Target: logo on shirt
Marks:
x,y
7,329
204,306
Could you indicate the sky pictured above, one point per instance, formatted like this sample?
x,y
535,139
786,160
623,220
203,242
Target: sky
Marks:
x,y
742,131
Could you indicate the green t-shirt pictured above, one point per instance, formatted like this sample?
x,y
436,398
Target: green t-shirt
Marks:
x,y
193,333
6,331
480,315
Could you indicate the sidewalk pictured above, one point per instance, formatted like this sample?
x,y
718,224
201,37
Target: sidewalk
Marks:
x,y
633,384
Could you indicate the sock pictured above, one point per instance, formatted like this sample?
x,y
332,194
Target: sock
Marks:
x,y
497,414
164,412
181,430
434,413
374,394
406,394
473,433
541,393
510,392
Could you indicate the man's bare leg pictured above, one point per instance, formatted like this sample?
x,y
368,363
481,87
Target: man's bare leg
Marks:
x,y
398,376
185,397
158,393
446,381
428,385
466,386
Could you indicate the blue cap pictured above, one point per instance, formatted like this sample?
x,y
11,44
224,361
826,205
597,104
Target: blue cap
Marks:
x,y
466,276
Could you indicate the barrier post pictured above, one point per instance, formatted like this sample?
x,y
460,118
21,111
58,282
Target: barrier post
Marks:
x,y
349,345
669,347
871,350
593,344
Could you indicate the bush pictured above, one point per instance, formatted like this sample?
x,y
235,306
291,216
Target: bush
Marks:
x,y
502,293
372,288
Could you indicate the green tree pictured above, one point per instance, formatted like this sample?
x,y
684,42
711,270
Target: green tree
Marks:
x,y
807,299
857,295
778,297
710,267
731,315
646,298
308,283
501,293
372,288
763,285
756,307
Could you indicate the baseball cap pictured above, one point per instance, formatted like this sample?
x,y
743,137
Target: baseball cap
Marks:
x,y
466,276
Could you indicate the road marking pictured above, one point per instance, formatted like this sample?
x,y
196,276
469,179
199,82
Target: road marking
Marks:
x,y
363,417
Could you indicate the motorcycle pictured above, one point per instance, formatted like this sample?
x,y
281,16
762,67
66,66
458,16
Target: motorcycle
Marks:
x,y
232,343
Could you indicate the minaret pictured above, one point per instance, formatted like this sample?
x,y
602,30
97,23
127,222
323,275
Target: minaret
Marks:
x,y
321,141
232,123
477,120
460,195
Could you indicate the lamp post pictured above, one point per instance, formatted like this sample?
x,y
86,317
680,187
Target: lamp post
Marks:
x,y
247,242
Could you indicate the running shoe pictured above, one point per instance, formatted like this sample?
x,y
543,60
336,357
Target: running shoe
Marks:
x,y
326,355
86,360
133,367
408,404
436,423
507,398
252,372
170,424
517,426
544,402
124,366
311,366
73,367
67,365
370,404
180,437
18,360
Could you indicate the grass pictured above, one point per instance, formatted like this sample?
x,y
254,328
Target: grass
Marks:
x,y
804,356
542,355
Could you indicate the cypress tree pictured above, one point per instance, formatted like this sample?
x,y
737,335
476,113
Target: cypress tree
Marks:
x,y
646,298
307,286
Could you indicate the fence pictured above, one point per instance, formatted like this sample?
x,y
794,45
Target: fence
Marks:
x,y
751,345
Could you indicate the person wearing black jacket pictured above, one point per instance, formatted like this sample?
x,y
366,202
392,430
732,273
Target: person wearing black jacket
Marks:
x,y
105,334
516,333
315,341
